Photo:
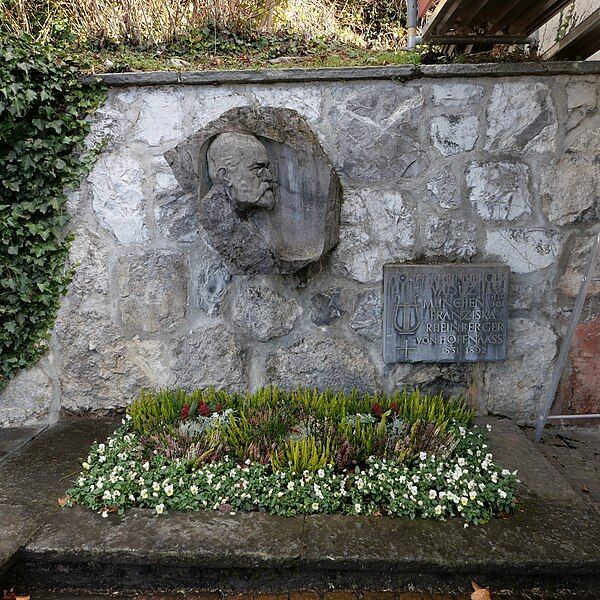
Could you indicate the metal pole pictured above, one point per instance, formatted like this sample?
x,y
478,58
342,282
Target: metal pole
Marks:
x,y
411,22
566,345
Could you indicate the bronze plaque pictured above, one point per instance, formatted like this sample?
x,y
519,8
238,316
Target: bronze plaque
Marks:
x,y
445,313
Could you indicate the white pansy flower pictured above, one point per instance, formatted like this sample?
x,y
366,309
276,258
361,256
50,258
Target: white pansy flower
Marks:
x,y
160,509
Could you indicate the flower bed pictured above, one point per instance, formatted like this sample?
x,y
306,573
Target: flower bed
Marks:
x,y
302,452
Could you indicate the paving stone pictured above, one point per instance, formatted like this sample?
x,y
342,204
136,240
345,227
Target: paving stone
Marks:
x,y
13,438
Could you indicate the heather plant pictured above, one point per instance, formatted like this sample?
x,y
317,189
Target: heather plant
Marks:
x,y
304,429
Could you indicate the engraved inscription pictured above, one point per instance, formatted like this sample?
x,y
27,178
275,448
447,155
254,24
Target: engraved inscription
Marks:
x,y
445,313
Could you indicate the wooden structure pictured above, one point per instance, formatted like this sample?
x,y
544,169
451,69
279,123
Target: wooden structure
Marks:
x,y
486,21
580,43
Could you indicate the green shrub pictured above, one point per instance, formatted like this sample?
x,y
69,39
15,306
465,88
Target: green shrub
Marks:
x,y
43,110
151,412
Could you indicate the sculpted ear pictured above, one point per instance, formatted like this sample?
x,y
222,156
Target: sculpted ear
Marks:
x,y
223,175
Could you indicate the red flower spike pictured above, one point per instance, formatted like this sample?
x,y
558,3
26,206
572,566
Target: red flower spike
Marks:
x,y
219,407
377,410
394,406
203,409
185,411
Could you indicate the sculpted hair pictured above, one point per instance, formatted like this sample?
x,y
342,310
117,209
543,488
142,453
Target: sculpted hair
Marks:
x,y
226,150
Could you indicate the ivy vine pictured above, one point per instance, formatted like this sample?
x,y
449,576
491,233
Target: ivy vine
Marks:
x,y
43,110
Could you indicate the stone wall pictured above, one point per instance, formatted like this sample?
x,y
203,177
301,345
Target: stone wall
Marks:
x,y
451,163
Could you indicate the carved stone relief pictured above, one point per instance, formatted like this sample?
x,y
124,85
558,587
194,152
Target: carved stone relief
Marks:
x,y
268,196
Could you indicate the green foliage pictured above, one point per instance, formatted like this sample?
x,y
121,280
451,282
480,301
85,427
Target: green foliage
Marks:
x,y
306,454
43,109
150,411
300,430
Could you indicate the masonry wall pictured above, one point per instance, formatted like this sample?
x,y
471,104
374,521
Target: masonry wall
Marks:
x,y
455,163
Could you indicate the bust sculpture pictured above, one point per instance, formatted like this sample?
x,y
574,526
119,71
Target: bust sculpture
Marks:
x,y
239,163
268,197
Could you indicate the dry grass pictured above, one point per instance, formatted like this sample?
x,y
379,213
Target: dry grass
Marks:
x,y
134,22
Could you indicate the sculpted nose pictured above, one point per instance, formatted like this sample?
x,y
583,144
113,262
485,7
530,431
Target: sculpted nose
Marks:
x,y
266,174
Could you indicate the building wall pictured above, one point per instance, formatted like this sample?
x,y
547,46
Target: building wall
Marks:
x,y
452,163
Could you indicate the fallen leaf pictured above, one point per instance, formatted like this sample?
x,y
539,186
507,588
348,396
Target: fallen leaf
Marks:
x,y
62,501
12,596
480,593
585,489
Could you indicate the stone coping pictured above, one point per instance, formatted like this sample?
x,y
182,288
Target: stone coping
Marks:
x,y
300,75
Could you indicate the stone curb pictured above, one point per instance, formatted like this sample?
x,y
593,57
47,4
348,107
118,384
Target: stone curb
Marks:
x,y
300,75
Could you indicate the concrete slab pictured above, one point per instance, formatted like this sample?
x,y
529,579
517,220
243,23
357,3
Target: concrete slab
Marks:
x,y
17,525
43,466
13,438
34,475
514,450
575,453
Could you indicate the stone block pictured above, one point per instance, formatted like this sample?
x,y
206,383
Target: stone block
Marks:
x,y
366,319
372,133
449,238
210,355
89,257
453,379
581,101
377,227
442,188
577,252
95,371
524,250
456,94
322,362
305,99
161,117
154,358
499,191
521,117
29,395
118,198
176,213
153,290
326,307
262,313
570,188
517,386
213,281
453,134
